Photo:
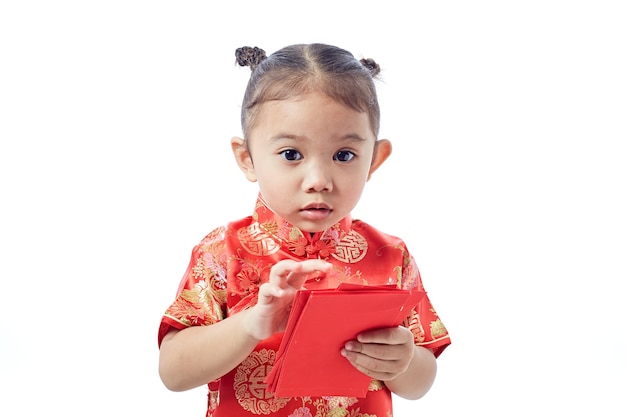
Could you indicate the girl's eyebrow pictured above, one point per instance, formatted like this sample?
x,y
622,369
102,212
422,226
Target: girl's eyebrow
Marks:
x,y
280,136
352,137
355,137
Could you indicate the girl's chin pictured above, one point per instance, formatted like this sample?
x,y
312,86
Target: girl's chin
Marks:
x,y
311,226
313,221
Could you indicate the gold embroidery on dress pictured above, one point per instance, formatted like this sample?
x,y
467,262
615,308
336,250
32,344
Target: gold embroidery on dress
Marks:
x,y
295,233
415,325
248,385
328,406
376,385
437,329
257,239
351,248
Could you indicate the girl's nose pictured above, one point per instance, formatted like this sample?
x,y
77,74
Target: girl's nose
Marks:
x,y
317,177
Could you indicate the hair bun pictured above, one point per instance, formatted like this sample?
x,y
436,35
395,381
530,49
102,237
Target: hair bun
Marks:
x,y
371,66
249,56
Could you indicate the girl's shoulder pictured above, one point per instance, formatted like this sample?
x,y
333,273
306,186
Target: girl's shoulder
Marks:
x,y
374,234
221,233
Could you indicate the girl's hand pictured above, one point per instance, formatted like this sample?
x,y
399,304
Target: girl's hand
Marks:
x,y
275,297
382,354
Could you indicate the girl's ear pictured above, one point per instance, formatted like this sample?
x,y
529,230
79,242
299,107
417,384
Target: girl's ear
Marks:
x,y
243,158
382,150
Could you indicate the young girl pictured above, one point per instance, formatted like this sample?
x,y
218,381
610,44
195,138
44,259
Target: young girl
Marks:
x,y
310,120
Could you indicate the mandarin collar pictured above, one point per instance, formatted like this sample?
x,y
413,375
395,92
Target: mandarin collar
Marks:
x,y
300,242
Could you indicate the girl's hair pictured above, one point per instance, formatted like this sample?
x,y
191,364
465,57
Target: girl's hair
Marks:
x,y
304,68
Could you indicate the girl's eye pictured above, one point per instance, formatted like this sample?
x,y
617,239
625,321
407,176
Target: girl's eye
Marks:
x,y
291,155
343,156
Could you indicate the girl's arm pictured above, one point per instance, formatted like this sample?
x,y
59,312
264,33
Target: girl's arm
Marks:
x,y
198,355
416,381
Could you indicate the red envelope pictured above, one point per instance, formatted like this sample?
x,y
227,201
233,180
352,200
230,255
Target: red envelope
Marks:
x,y
309,361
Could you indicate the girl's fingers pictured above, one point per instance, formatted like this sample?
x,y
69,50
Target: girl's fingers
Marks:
x,y
390,336
289,275
267,292
293,273
296,279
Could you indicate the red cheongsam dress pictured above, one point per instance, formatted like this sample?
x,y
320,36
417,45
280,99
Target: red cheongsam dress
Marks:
x,y
225,272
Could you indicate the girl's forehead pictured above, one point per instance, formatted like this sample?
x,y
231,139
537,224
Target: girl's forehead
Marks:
x,y
308,104
320,128
308,101
313,108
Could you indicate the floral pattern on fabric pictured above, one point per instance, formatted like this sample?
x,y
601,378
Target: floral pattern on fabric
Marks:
x,y
223,277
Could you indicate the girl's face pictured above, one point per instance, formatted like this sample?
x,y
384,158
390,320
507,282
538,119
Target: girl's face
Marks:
x,y
311,157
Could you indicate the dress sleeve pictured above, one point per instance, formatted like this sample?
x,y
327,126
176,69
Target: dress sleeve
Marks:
x,y
201,296
424,322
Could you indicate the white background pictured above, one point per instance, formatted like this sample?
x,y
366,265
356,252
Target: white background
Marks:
x,y
507,183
